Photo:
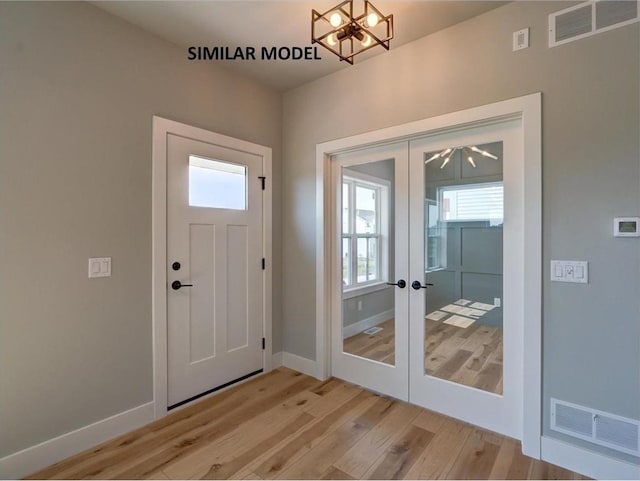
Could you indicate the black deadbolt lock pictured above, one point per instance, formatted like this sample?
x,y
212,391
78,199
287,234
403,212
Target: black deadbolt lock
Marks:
x,y
175,266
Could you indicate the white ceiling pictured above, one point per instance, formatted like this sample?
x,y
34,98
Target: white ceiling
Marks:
x,y
281,23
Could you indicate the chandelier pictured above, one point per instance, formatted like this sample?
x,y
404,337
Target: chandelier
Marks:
x,y
468,151
340,32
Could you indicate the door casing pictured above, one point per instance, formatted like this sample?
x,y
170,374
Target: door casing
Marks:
x,y
161,128
528,110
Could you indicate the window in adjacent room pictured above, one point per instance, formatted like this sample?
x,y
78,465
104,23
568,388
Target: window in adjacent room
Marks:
x,y
473,202
365,230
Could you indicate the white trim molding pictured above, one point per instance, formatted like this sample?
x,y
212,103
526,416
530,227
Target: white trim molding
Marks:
x,y
529,110
356,327
301,364
161,128
34,458
586,462
276,360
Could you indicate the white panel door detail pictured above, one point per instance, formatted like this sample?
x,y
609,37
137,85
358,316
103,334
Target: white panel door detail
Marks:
x,y
214,233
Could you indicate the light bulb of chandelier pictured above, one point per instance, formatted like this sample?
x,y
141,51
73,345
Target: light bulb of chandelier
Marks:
x,y
445,152
366,41
331,40
335,20
372,19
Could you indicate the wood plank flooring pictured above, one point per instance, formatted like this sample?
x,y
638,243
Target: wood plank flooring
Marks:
x,y
471,356
285,425
378,347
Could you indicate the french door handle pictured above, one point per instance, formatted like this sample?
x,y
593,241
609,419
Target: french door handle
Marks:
x,y
401,284
417,286
175,285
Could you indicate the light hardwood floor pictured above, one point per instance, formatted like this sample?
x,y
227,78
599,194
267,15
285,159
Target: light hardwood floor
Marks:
x,y
285,425
379,346
471,356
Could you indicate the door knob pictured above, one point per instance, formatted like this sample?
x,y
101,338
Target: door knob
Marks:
x,y
401,284
417,286
175,285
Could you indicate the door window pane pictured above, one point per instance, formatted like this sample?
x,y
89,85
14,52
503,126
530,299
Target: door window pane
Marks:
x,y
368,304
216,184
463,264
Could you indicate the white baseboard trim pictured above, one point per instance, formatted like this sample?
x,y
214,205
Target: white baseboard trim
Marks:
x,y
300,364
30,460
276,360
586,462
356,327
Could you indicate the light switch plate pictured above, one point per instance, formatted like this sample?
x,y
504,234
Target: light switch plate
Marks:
x,y
99,267
570,271
521,39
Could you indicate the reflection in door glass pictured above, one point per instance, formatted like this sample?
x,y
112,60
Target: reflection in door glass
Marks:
x,y
216,184
464,214
368,303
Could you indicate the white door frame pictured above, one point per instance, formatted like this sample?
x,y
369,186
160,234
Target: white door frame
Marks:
x,y
161,128
527,108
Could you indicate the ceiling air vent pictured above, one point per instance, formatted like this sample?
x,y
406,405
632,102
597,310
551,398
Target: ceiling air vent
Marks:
x,y
589,18
599,427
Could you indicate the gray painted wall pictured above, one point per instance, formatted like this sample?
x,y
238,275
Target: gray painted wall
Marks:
x,y
591,173
372,304
78,88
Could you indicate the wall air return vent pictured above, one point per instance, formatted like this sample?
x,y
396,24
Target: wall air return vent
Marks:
x,y
599,427
589,18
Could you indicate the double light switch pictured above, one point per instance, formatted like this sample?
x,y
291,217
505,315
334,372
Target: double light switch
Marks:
x,y
100,267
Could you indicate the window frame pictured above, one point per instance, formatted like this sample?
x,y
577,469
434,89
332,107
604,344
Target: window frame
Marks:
x,y
381,234
436,241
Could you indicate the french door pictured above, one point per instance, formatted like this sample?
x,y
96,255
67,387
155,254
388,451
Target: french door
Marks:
x,y
369,336
427,278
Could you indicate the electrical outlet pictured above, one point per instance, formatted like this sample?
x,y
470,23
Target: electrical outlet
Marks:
x,y
497,301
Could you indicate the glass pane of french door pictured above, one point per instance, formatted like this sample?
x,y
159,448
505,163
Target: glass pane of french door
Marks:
x,y
368,243
464,217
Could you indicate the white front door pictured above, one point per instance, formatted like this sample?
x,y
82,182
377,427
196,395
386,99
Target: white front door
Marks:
x,y
440,218
214,267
